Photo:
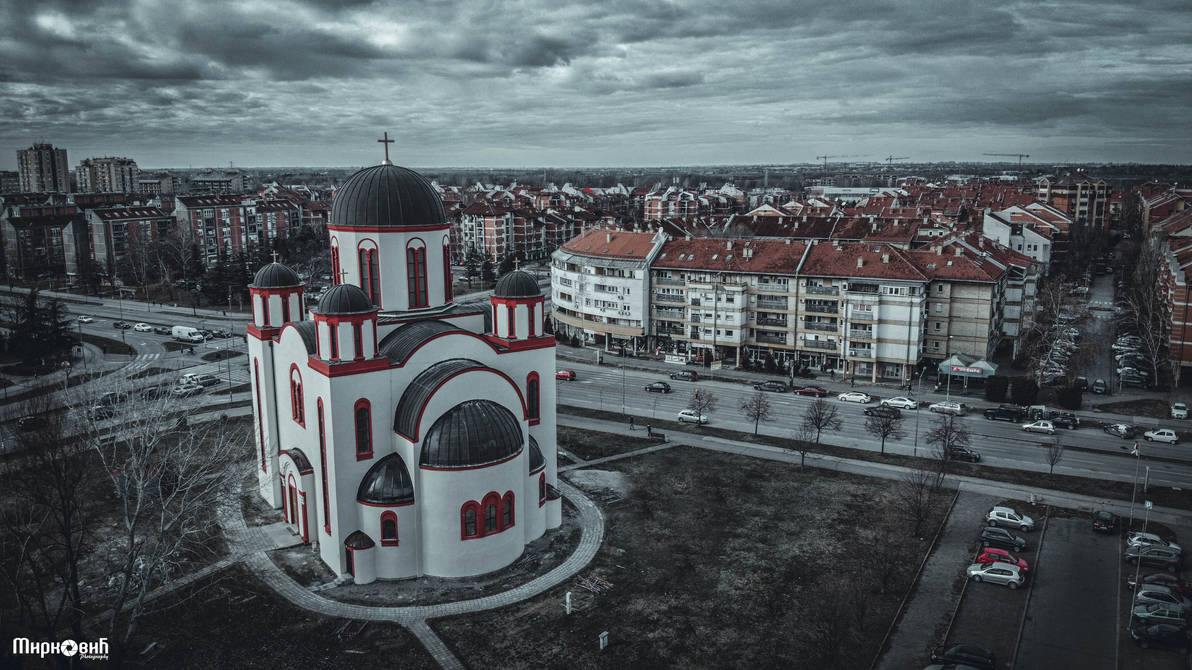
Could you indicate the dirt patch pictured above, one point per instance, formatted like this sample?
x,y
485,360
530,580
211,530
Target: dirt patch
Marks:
x,y
1152,407
714,560
149,372
540,556
108,345
303,565
232,620
256,511
171,345
221,355
590,444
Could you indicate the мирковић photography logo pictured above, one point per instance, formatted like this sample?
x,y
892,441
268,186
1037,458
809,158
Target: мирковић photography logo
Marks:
x,y
84,650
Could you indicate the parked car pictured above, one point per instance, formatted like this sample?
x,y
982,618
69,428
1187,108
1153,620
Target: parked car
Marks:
x,y
1005,413
143,328
996,573
1139,538
568,375
28,424
967,654
771,385
1043,426
161,330
1164,578
685,375
657,387
186,390
1120,430
1161,435
85,319
1179,410
1161,636
948,407
901,402
1164,557
122,325
855,396
1156,613
1157,593
1136,382
995,555
963,454
1105,522
1081,383
1066,420
691,416
1100,387
884,410
992,536
817,391
1005,516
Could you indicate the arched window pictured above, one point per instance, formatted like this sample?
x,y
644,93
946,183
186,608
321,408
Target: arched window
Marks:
x,y
256,368
363,414
333,337
512,312
490,517
370,274
468,520
542,489
335,273
285,309
447,290
358,341
323,469
532,396
388,529
416,273
507,511
531,311
297,407
265,308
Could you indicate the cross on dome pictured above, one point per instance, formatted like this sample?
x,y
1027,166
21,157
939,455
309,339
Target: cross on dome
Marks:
x,y
516,263
385,141
274,256
343,276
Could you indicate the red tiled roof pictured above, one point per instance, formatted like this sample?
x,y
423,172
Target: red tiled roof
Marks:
x,y
745,255
119,213
878,261
610,243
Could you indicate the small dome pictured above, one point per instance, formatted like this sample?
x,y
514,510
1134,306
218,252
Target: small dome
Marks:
x,y
345,299
300,459
473,433
387,196
517,284
536,459
358,540
275,275
388,482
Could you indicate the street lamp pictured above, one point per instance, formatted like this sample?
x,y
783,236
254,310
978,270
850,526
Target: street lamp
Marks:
x,y
948,354
1138,563
622,389
918,391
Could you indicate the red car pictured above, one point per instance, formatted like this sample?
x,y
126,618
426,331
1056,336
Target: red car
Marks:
x,y
995,555
569,375
817,391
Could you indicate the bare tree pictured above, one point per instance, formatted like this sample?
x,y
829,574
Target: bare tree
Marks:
x,y
821,415
883,427
946,434
1149,317
1055,453
756,408
915,495
802,442
702,401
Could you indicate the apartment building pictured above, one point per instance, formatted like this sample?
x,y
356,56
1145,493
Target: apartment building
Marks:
x,y
1084,199
965,302
43,169
226,182
1016,229
1175,289
217,223
107,175
121,238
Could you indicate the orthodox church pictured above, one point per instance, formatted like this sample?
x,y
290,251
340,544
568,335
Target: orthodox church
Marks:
x,y
401,433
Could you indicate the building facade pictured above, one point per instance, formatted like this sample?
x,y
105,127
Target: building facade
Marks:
x,y
43,169
107,175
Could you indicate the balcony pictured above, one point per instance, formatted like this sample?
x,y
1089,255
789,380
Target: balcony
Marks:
x,y
770,338
667,297
822,307
860,353
766,302
859,315
861,334
823,290
676,314
773,288
821,325
669,281
854,287
820,344
773,323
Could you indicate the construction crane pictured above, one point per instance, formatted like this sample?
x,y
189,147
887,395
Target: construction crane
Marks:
x,y
1020,157
825,159
825,163
891,158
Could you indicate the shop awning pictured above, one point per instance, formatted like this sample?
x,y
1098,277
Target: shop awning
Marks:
x,y
963,365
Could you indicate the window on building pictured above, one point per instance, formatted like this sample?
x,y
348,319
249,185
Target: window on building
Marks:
x,y
542,489
939,307
256,368
285,309
333,332
490,517
532,396
323,469
357,341
938,325
416,276
447,289
297,410
507,511
335,273
363,414
469,523
389,529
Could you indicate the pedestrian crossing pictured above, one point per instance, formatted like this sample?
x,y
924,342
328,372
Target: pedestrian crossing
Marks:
x,y
141,362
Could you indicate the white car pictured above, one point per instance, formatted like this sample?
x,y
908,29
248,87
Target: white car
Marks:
x,y
85,319
1006,516
901,402
1039,427
996,573
143,328
948,407
1179,410
1138,539
1161,435
691,416
855,396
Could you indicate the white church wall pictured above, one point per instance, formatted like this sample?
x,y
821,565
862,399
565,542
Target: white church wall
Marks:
x,y
391,247
534,516
262,364
364,565
393,562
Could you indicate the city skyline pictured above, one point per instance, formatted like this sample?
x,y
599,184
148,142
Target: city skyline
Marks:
x,y
680,83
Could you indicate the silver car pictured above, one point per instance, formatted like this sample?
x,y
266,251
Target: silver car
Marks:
x,y
996,573
1157,593
1157,613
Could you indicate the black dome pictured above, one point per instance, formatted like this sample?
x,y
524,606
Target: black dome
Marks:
x,y
517,284
473,433
387,483
387,196
358,540
275,275
345,299
536,459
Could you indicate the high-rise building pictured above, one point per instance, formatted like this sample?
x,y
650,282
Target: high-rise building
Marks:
x,y
107,175
43,169
10,181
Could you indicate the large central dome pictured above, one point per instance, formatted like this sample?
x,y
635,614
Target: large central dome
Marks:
x,y
387,196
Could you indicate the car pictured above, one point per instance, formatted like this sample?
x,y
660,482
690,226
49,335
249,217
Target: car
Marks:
x,y
657,387
901,402
691,416
1167,579
817,391
948,407
1129,371
113,398
884,410
1157,593
992,536
1158,613
122,325
1161,435
186,390
569,375
85,319
969,654
1124,431
685,375
1005,413
1105,522
771,385
1005,516
100,412
995,555
1139,538
1164,557
1161,636
1099,386
207,380
1137,382
28,424
221,333
161,330
143,328
963,454
1179,410
996,573
855,396
1042,426
1066,420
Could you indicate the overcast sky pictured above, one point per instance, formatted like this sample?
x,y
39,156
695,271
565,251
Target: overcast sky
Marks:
x,y
600,82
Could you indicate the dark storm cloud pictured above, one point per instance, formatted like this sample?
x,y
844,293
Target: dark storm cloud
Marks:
x,y
535,81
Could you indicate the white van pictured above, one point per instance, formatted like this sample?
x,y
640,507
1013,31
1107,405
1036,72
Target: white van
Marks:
x,y
186,334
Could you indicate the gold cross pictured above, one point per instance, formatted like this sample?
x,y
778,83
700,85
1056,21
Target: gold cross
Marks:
x,y
385,141
274,256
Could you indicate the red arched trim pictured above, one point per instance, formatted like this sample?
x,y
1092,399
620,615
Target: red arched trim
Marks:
x,y
491,506
469,520
358,342
256,368
362,422
333,338
265,310
508,512
323,468
389,537
516,389
542,489
334,261
512,311
297,404
533,398
448,293
492,515
416,273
